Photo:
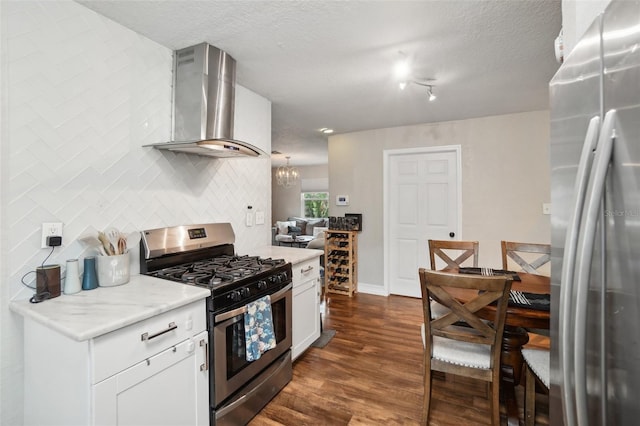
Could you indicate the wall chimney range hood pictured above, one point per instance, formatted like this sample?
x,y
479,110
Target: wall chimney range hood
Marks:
x,y
203,105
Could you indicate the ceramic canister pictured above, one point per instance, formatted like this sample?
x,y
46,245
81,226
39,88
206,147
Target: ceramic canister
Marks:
x,y
89,277
48,281
72,277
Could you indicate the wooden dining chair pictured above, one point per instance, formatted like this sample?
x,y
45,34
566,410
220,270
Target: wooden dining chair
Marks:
x,y
513,250
474,350
536,368
453,253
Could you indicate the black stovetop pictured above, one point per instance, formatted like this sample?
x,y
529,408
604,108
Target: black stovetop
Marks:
x,y
233,280
219,271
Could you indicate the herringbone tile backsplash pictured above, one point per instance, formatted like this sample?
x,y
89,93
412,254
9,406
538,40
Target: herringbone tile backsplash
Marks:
x,y
84,95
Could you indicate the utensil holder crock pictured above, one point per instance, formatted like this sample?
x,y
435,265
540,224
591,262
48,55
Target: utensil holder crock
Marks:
x,y
113,270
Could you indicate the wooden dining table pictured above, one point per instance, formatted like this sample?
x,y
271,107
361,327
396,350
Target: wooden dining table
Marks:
x,y
515,335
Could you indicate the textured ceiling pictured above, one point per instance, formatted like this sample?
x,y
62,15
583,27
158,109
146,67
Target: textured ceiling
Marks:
x,y
330,63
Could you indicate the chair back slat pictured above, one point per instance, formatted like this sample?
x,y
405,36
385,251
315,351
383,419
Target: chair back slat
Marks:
x,y
465,313
512,250
462,250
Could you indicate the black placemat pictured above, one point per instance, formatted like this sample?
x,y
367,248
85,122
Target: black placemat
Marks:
x,y
478,271
539,302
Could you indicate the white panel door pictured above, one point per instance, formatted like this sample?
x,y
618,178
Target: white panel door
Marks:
x,y
422,204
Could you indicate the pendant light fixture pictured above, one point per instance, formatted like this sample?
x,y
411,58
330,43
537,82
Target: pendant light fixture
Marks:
x,y
287,176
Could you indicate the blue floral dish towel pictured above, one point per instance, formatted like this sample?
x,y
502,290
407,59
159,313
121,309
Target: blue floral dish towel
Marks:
x,y
258,328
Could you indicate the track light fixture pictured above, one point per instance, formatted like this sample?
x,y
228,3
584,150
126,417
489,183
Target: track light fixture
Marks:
x,y
432,96
403,72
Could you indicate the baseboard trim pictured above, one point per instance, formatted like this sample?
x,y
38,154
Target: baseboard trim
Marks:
x,y
372,289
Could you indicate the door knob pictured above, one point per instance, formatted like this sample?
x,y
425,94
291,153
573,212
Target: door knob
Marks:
x,y
452,234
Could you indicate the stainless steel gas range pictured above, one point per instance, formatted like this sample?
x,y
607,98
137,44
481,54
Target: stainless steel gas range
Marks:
x,y
203,255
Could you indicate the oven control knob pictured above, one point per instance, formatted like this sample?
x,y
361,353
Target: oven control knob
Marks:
x,y
282,277
235,296
245,292
262,285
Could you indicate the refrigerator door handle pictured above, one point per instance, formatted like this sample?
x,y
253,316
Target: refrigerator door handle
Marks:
x,y
568,267
586,242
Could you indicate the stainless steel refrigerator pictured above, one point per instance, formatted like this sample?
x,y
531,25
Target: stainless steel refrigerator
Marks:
x,y
595,225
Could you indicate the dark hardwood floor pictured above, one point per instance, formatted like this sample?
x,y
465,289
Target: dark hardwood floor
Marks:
x,y
370,373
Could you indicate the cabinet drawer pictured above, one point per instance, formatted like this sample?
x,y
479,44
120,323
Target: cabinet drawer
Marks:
x,y
115,351
305,271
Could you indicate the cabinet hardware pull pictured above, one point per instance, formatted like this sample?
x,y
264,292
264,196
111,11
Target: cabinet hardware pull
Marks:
x,y
205,366
304,271
147,336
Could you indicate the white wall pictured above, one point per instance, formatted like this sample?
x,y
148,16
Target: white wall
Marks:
x,y
505,173
80,96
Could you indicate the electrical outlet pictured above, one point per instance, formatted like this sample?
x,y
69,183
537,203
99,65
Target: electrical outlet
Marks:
x,y
50,230
546,208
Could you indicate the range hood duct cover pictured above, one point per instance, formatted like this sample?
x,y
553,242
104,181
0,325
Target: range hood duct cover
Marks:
x,y
204,79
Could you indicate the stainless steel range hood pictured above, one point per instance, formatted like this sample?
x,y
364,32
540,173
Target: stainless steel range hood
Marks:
x,y
203,104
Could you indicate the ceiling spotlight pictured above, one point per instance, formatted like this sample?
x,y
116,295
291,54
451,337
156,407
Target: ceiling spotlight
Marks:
x,y
326,130
423,83
432,97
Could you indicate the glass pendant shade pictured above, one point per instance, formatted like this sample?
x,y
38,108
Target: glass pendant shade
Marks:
x,y
287,176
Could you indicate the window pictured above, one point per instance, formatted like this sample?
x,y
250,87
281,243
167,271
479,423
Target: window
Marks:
x,y
315,204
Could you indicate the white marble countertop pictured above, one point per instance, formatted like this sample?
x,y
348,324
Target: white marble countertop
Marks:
x,y
92,313
290,254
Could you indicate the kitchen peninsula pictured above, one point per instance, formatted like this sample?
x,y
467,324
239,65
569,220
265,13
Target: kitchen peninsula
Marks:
x,y
106,356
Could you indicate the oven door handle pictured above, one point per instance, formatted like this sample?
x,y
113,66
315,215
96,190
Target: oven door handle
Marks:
x,y
274,298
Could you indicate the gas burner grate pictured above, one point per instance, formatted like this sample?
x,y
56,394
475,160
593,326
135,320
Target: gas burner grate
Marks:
x,y
219,270
272,262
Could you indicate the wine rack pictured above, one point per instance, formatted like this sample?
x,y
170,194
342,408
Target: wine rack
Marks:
x,y
341,262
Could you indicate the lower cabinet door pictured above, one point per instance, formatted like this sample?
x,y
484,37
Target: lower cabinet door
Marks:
x,y
306,316
170,388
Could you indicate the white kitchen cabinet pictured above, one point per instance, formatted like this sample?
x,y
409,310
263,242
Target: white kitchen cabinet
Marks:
x,y
169,388
252,119
306,305
121,377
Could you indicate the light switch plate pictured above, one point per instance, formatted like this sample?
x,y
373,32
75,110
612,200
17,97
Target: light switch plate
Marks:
x,y
250,219
342,200
259,218
546,208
